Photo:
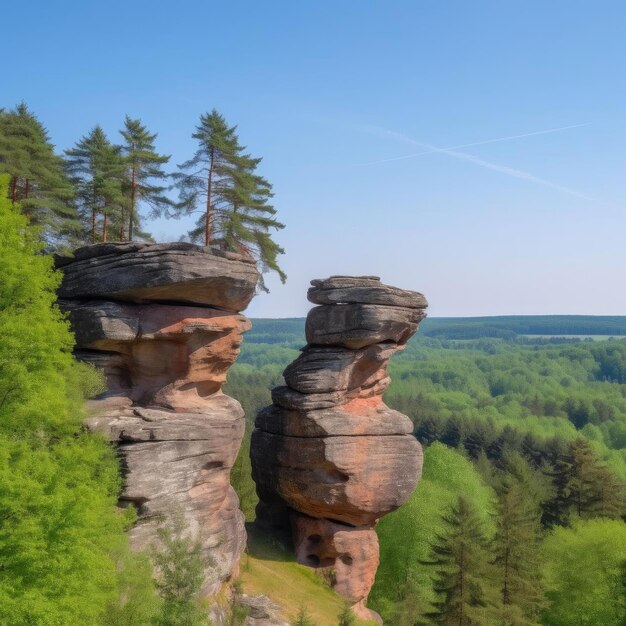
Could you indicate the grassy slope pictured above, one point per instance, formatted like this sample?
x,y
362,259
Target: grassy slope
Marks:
x,y
269,569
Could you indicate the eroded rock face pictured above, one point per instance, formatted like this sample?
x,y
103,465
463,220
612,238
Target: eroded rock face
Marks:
x,y
163,322
329,457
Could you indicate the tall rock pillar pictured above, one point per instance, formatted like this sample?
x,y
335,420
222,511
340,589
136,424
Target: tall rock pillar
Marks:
x,y
329,457
163,322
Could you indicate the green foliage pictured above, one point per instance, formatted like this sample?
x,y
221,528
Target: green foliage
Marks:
x,y
303,618
516,551
36,178
241,480
464,580
221,182
346,617
406,534
179,579
143,170
136,603
97,170
58,486
584,574
553,327
517,411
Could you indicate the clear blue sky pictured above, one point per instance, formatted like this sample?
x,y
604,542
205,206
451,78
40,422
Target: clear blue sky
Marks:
x,y
326,90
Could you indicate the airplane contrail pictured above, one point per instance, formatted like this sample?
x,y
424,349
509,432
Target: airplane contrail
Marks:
x,y
469,145
503,169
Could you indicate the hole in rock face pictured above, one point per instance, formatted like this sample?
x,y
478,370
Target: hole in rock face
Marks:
x,y
329,476
314,538
313,560
346,559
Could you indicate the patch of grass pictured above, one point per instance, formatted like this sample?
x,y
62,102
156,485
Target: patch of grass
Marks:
x,y
269,568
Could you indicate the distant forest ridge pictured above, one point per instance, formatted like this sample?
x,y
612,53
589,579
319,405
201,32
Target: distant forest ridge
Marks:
x,y
287,330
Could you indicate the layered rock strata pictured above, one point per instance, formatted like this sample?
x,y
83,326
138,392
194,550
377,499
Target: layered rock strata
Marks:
x,y
163,323
329,457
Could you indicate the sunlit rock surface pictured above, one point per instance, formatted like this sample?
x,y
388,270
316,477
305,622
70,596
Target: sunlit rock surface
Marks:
x,y
163,322
329,457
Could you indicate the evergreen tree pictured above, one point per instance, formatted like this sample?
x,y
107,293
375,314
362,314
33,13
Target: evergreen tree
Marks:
x,y
97,169
346,617
583,487
180,578
591,487
143,170
37,179
220,182
464,578
303,618
516,548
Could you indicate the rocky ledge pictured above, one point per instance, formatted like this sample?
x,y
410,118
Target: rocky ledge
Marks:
x,y
163,321
329,457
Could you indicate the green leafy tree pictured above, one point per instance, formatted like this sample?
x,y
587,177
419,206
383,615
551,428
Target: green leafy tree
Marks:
x,y
583,574
136,603
410,609
58,485
97,170
405,534
144,170
220,182
37,181
464,580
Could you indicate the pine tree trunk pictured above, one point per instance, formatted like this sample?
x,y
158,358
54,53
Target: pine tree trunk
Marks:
x,y
122,226
207,225
104,226
26,189
133,190
93,226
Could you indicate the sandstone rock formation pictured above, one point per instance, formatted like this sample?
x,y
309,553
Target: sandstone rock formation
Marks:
x,y
163,322
329,457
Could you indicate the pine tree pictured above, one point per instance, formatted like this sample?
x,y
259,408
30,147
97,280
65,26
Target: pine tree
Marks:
x,y
180,578
464,579
346,617
221,183
37,179
592,488
303,618
97,169
516,547
144,169
583,487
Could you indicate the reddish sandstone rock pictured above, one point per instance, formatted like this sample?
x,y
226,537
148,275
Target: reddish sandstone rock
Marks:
x,y
165,362
348,554
329,458
173,356
353,479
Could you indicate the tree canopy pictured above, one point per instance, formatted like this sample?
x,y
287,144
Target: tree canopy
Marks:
x,y
220,183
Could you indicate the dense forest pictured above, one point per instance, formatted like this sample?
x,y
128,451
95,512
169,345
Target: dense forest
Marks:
x,y
524,470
